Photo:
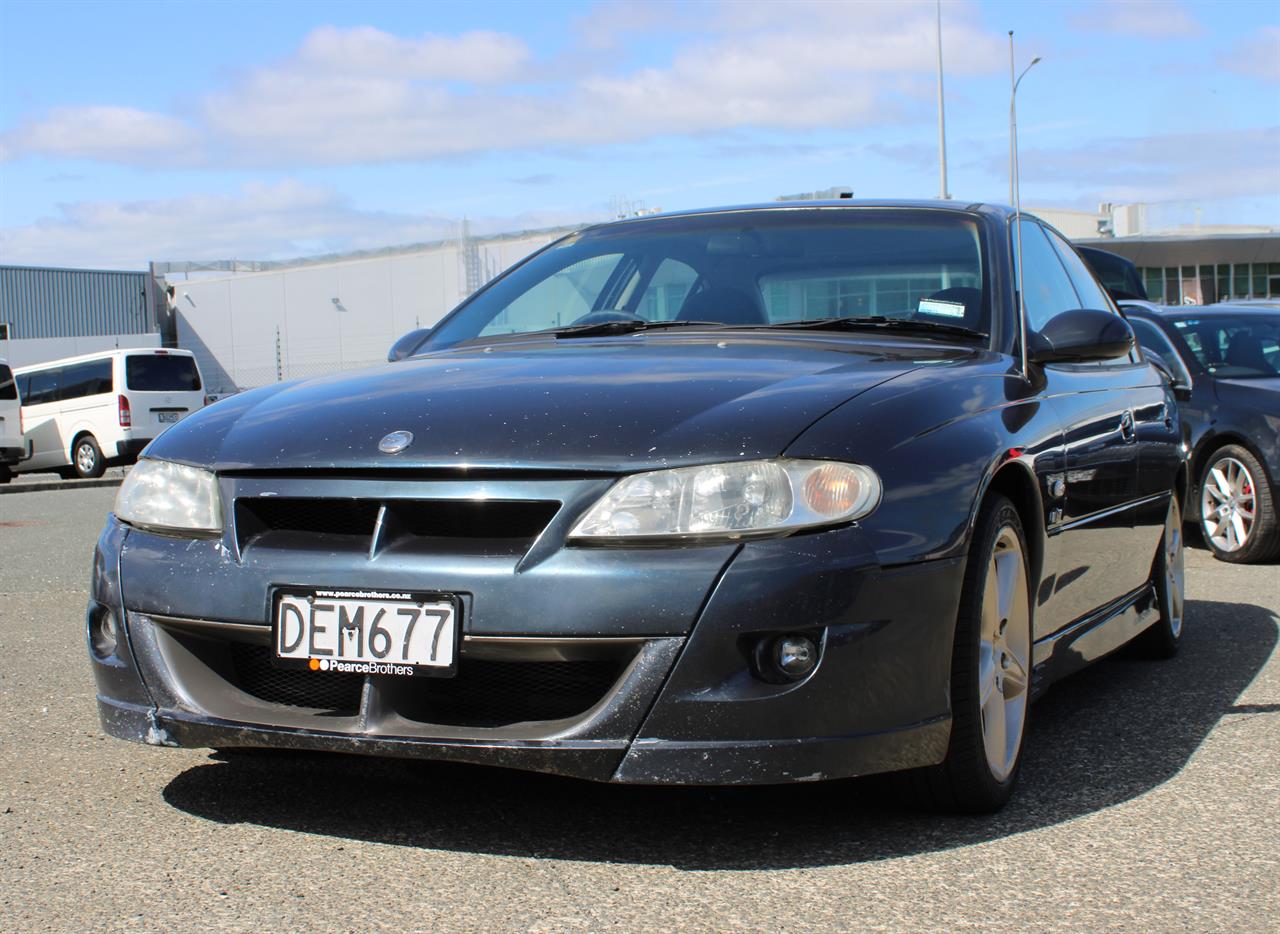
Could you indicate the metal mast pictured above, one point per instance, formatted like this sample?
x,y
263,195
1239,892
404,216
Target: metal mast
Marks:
x,y
942,119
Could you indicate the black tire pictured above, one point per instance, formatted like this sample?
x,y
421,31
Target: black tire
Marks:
x,y
87,461
1161,640
965,781
5,473
1262,541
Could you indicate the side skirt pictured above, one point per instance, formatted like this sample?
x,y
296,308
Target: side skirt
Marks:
x,y
1089,639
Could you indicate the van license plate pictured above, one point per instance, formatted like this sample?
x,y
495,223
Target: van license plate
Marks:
x,y
166,418
366,632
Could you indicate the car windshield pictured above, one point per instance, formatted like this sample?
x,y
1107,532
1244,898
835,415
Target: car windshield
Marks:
x,y
743,269
1234,346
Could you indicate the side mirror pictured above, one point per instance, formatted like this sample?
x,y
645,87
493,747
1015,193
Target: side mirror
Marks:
x,y
1080,336
1178,377
407,344
1160,363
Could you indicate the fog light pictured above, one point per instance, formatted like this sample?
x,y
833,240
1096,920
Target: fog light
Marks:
x,y
786,658
102,633
795,656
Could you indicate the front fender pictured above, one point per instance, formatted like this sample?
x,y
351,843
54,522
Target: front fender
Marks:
x,y
937,445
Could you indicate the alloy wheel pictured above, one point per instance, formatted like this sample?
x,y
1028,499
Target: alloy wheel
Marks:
x,y
1174,582
1228,504
1004,654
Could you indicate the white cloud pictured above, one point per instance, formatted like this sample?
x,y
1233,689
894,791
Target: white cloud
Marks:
x,y
1258,56
109,134
260,221
365,96
1145,19
480,57
1173,166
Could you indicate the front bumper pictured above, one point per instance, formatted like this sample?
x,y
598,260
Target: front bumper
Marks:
x,y
680,706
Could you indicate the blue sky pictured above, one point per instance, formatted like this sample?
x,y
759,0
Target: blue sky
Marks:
x,y
136,131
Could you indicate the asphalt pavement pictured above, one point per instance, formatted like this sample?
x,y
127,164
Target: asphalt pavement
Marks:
x,y
1150,801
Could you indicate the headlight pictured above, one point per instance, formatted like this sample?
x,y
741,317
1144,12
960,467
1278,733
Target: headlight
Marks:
x,y
731,500
167,496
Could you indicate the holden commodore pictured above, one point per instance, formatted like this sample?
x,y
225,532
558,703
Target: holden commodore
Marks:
x,y
753,495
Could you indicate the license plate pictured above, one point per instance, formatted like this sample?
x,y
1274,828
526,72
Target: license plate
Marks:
x,y
366,632
166,418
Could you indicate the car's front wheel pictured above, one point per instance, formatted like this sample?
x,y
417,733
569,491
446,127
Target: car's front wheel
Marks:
x,y
1237,510
990,670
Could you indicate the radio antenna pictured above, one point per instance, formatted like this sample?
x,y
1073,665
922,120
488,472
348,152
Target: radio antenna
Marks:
x,y
1015,195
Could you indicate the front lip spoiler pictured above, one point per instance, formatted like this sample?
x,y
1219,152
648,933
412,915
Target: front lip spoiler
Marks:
x,y
603,760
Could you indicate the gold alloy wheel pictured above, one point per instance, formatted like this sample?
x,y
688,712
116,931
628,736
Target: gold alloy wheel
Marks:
x,y
1004,654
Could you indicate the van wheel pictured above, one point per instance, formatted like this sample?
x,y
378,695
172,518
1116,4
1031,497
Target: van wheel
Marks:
x,y
86,458
5,473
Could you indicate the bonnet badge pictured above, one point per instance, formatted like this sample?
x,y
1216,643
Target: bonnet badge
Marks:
x,y
395,442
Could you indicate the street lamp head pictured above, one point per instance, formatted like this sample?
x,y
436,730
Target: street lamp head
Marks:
x,y
1034,60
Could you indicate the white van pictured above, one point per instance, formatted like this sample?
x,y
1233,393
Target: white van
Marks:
x,y
82,412
11,448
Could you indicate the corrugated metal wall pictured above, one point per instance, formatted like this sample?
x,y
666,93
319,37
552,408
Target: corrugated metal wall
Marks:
x,y
39,302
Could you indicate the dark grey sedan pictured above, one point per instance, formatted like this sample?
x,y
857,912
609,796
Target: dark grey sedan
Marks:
x,y
1224,365
764,494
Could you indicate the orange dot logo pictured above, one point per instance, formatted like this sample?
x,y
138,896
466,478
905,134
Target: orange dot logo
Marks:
x,y
315,664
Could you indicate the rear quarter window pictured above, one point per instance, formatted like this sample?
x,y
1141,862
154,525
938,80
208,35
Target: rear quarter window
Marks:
x,y
8,388
161,373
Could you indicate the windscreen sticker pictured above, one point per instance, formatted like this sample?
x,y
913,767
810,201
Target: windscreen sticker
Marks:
x,y
932,306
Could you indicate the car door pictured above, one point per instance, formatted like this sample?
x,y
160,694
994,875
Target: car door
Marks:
x,y
1094,551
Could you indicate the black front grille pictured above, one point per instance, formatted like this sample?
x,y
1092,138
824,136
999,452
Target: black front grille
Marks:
x,y
496,693
332,692
462,526
484,693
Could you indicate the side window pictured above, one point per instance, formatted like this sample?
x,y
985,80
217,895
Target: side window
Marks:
x,y
670,283
86,379
1091,294
43,387
1048,288
8,388
558,300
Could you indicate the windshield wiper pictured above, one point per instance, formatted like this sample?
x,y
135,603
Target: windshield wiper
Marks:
x,y
879,322
625,326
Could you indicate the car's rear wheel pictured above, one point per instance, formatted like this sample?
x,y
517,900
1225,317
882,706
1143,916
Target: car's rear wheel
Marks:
x,y
990,670
1161,640
86,458
1237,510
5,473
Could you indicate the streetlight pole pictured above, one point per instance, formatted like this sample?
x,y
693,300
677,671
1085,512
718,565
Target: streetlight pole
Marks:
x,y
1015,192
942,119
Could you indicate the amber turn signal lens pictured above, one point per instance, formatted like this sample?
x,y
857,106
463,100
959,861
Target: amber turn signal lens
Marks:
x,y
832,490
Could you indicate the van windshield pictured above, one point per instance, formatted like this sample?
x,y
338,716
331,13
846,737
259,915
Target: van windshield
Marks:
x,y
161,373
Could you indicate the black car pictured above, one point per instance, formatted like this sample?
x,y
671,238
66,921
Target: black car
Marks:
x,y
1224,364
759,494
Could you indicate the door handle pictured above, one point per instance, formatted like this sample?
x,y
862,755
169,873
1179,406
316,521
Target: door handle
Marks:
x,y
1126,427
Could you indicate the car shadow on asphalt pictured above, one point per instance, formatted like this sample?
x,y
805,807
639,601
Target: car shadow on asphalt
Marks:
x,y
1100,738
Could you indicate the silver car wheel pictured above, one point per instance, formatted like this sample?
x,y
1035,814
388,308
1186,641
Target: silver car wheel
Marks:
x,y
1004,654
86,458
1174,580
1228,504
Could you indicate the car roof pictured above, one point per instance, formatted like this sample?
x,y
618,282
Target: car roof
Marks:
x,y
1178,312
954,207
